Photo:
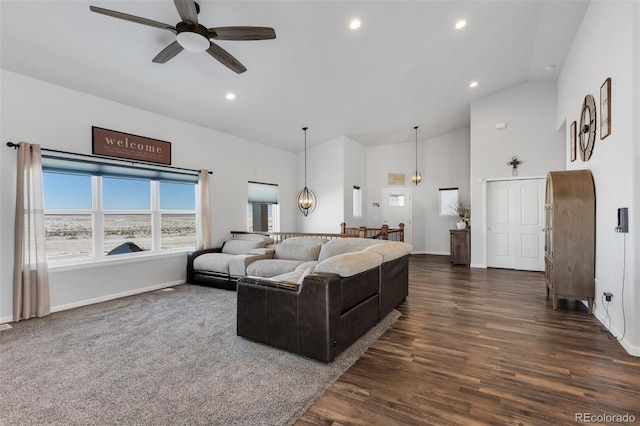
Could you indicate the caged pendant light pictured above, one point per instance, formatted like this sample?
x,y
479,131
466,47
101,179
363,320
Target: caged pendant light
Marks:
x,y
416,177
307,200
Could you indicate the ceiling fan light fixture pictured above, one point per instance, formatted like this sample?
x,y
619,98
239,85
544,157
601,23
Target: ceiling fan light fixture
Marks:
x,y
461,24
193,42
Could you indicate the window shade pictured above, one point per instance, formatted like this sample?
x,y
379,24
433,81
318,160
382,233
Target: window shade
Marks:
x,y
55,164
263,193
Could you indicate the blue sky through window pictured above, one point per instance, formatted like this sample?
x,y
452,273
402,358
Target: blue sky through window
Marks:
x,y
177,196
66,191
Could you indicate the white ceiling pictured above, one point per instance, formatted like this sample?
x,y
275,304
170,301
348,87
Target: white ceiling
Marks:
x,y
406,66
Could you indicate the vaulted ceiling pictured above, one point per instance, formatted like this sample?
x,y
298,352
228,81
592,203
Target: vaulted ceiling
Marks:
x,y
407,65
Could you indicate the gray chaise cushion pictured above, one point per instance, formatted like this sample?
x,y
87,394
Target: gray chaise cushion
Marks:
x,y
212,262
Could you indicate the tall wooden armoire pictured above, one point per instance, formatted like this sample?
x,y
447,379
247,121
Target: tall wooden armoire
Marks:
x,y
570,234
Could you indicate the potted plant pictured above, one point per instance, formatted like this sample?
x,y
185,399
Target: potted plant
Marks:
x,y
464,211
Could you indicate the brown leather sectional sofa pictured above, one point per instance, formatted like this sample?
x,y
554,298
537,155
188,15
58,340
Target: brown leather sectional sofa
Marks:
x,y
319,313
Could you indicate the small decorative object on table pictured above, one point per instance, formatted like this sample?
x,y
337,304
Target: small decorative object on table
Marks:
x,y
464,211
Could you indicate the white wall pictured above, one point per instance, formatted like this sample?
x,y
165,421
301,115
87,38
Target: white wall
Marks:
x,y
59,118
355,174
608,45
325,165
529,111
443,162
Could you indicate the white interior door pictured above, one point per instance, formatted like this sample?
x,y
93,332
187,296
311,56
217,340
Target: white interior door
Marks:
x,y
515,222
396,209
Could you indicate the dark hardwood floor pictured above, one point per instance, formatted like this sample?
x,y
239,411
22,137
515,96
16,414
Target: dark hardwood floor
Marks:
x,y
476,346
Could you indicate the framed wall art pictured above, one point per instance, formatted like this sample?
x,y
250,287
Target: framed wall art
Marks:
x,y
572,141
112,143
605,109
396,178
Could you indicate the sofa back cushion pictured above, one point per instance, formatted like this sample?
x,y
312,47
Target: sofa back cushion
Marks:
x,y
391,250
344,245
253,237
349,264
299,248
241,246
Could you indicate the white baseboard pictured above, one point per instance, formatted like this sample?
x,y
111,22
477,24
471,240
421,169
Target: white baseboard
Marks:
x,y
631,349
103,298
114,296
438,253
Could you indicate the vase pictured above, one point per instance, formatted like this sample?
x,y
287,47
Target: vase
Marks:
x,y
461,225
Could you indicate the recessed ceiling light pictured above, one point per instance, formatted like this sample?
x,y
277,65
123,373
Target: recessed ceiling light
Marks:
x,y
230,96
461,24
355,24
473,84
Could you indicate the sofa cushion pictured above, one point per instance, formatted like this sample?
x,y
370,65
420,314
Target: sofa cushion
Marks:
x,y
349,264
271,267
241,246
391,250
344,245
297,252
212,262
303,266
310,270
254,237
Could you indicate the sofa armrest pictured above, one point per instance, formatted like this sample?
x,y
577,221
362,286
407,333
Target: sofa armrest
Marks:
x,y
304,321
191,257
238,263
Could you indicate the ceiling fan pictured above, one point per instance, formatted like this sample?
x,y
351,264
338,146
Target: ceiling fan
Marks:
x,y
194,37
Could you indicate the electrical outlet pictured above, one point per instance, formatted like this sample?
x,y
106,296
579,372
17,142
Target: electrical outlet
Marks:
x,y
608,296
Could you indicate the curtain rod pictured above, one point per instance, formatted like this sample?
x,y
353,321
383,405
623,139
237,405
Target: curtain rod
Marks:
x,y
15,146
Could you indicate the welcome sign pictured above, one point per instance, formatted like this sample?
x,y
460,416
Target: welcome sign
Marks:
x,y
132,147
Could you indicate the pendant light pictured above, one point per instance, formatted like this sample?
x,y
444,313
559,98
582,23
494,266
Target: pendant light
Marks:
x,y
307,200
416,177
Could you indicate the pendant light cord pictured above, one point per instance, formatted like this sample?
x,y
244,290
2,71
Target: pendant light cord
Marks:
x,y
305,156
416,129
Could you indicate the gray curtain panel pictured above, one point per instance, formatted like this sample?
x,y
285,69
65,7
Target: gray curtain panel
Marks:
x,y
30,272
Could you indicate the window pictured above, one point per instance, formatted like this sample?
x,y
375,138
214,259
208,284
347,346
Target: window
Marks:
x,y
396,200
357,202
448,201
262,208
90,214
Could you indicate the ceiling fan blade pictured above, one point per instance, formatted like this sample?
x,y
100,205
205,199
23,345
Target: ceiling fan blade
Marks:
x,y
242,33
168,52
225,58
133,18
187,10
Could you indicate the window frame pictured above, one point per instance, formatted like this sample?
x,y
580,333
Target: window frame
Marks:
x,y
450,212
98,213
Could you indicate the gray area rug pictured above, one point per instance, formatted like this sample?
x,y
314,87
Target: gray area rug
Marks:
x,y
159,358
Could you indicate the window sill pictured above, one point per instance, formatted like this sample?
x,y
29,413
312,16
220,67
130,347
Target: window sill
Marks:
x,y
116,260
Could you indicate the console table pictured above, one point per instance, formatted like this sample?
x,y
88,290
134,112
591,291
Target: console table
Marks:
x,y
460,246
